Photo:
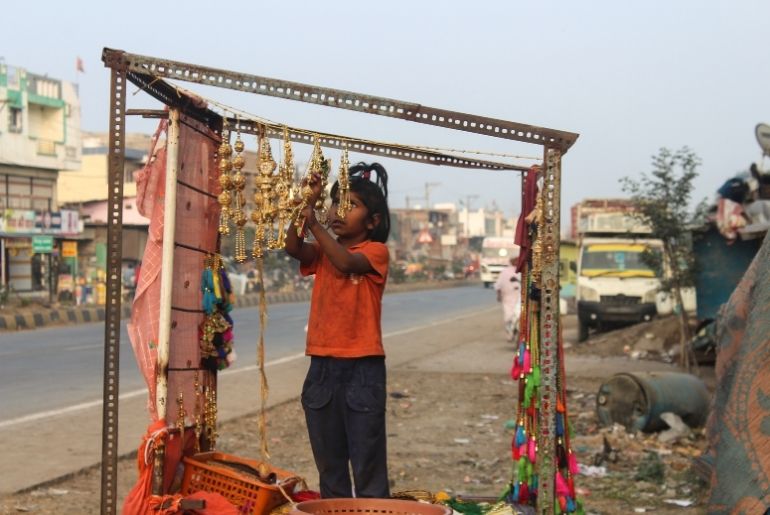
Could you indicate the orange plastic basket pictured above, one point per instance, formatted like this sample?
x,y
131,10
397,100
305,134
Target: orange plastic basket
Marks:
x,y
208,472
360,506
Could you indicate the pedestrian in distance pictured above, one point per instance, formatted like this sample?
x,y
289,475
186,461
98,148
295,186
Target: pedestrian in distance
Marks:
x,y
344,392
508,288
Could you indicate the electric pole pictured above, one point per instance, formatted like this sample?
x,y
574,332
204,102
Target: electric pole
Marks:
x,y
428,186
468,199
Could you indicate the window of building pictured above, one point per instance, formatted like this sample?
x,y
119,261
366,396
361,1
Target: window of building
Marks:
x,y
14,119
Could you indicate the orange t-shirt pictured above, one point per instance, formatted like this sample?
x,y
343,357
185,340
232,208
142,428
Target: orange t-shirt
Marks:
x,y
345,309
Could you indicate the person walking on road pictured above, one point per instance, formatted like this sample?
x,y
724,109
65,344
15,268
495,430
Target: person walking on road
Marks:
x,y
508,288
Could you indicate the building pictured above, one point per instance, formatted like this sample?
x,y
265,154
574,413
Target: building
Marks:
x,y
88,182
39,136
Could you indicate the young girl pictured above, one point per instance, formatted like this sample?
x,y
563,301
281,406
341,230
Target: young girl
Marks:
x,y
344,392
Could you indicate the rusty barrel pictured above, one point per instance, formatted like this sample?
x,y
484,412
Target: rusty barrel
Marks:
x,y
636,400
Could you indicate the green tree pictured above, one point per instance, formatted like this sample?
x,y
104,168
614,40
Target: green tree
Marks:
x,y
662,201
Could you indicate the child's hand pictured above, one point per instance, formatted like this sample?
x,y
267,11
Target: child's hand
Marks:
x,y
316,187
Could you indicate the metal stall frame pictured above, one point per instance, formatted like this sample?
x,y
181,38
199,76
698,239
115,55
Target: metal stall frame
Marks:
x,y
148,73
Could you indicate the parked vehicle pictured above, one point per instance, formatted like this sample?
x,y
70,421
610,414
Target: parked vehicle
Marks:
x,y
615,286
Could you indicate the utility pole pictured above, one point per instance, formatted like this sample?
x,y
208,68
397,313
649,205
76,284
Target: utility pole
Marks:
x,y
428,186
468,199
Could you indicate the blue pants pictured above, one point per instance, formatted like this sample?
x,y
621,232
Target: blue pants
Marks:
x,y
344,403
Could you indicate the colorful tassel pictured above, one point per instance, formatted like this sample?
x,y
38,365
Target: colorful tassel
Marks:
x,y
559,424
516,492
516,369
570,505
572,463
562,504
526,364
561,485
532,450
524,493
521,436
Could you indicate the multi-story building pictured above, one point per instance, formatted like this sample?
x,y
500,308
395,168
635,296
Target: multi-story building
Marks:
x,y
39,136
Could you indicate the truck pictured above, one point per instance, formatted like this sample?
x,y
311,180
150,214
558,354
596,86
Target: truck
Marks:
x,y
614,284
496,253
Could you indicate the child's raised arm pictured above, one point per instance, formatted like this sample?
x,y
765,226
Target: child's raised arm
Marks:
x,y
343,260
297,248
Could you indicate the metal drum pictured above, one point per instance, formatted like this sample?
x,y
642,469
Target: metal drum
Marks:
x,y
636,400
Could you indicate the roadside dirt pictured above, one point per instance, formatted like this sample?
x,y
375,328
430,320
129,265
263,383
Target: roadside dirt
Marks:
x,y
447,433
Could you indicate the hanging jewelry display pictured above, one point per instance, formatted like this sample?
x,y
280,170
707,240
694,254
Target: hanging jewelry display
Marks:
x,y
216,330
198,409
318,166
238,215
529,459
284,189
343,178
180,414
264,200
210,416
225,180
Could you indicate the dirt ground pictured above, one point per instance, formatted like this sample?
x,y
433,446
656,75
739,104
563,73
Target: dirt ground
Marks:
x,y
447,432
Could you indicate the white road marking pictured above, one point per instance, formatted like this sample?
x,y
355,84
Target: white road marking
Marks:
x,y
286,359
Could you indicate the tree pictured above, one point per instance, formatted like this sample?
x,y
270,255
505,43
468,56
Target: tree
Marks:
x,y
662,202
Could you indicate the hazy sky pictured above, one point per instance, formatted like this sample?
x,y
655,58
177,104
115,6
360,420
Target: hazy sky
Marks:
x,y
630,77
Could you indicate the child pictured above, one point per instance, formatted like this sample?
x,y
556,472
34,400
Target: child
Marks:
x,y
344,392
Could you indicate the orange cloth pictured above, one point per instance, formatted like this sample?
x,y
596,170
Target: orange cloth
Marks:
x,y
345,309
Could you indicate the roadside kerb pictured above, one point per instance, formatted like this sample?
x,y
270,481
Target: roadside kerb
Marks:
x,y
33,319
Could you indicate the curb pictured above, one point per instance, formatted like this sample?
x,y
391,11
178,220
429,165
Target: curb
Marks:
x,y
90,314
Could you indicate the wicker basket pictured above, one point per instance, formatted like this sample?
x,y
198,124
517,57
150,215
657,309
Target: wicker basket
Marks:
x,y
246,491
368,507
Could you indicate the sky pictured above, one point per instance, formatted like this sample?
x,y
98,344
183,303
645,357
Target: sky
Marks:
x,y
629,77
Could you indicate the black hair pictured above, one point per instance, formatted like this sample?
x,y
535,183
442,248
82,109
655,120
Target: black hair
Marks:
x,y
373,193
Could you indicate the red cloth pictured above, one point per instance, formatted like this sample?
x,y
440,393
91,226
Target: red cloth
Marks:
x,y
345,309
522,227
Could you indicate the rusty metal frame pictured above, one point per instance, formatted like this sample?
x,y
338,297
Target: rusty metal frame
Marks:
x,y
167,94
148,74
116,162
177,70
549,327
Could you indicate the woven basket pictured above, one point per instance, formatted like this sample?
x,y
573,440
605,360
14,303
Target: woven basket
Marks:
x,y
245,491
368,506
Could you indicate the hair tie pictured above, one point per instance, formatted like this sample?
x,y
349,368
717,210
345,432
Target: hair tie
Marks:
x,y
366,174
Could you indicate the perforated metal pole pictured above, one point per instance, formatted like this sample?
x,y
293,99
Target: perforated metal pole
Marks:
x,y
116,160
549,331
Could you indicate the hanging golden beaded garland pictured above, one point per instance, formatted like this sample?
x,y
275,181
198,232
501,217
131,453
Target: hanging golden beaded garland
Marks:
x,y
318,165
343,179
264,200
225,181
238,215
284,189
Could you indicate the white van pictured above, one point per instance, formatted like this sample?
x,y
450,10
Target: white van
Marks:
x,y
496,253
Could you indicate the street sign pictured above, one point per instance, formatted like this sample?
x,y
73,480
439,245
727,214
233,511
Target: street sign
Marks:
x,y
69,249
42,244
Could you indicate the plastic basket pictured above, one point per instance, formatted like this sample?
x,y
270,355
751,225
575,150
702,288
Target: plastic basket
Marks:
x,y
368,507
247,492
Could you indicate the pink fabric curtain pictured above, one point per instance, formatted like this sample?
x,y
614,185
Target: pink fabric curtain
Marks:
x,y
197,217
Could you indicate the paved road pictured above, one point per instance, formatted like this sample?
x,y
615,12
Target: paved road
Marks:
x,y
48,369
50,380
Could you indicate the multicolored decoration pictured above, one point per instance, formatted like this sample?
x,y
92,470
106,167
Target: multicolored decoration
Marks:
x,y
526,369
216,334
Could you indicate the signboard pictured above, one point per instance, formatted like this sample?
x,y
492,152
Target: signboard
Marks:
x,y
25,221
57,222
69,249
763,137
42,244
